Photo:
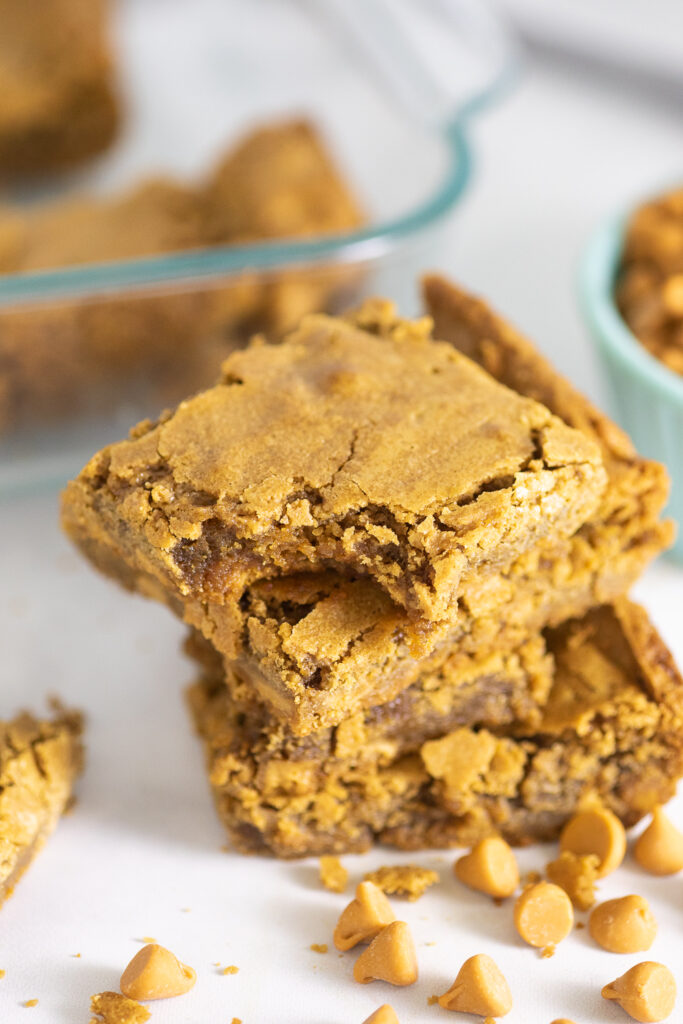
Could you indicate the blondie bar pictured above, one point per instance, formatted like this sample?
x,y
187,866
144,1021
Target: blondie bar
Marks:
x,y
442,764
155,347
39,762
58,100
361,444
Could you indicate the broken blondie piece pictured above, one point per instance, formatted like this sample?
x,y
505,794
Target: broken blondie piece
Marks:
x,y
39,762
58,100
360,444
611,727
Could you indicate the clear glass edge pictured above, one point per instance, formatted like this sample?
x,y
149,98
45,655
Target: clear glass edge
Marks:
x,y
221,261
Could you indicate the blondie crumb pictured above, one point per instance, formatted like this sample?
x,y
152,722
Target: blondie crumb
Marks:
x,y
113,1008
319,947
333,874
31,1002
407,880
231,969
577,874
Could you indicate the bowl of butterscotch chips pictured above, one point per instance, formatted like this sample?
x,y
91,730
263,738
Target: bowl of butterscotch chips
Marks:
x,y
631,286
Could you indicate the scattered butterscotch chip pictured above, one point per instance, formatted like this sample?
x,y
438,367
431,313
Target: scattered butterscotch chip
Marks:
x,y
479,988
31,1002
333,874
363,918
543,914
389,957
113,1008
490,867
155,973
236,1020
319,947
2,974
624,925
384,1015
148,940
596,830
407,880
660,848
562,1020
647,992
577,874
547,952
235,970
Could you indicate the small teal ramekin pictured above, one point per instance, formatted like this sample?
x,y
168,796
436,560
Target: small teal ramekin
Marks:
x,y
646,395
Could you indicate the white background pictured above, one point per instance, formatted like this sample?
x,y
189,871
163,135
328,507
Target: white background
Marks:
x,y
566,148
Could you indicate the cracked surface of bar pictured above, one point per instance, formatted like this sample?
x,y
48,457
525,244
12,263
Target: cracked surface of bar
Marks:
x,y
360,444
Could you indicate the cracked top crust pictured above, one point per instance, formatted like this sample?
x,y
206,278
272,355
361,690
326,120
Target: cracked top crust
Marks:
x,y
360,444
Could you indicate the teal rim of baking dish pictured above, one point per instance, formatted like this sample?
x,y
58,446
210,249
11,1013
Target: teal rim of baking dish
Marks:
x,y
231,260
597,277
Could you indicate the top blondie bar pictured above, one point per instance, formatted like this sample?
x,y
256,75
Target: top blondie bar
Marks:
x,y
360,444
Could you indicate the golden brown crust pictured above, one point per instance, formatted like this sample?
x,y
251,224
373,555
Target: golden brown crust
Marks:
x,y
39,762
319,647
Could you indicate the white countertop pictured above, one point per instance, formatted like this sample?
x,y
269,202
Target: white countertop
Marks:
x,y
143,842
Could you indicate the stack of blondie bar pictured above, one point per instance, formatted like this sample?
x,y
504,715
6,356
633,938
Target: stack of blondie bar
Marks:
x,y
403,561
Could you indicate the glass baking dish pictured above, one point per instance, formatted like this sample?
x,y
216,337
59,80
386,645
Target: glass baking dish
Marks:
x,y
87,350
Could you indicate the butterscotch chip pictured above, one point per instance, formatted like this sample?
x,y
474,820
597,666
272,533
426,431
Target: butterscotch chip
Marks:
x,y
113,1008
155,973
596,830
647,992
384,1015
562,1020
31,1002
231,969
333,874
479,988
407,880
624,925
364,917
543,914
389,957
577,875
490,867
659,849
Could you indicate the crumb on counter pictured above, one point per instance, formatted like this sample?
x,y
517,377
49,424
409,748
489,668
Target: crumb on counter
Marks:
x,y
113,1008
333,874
407,880
319,947
31,1002
577,874
231,969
